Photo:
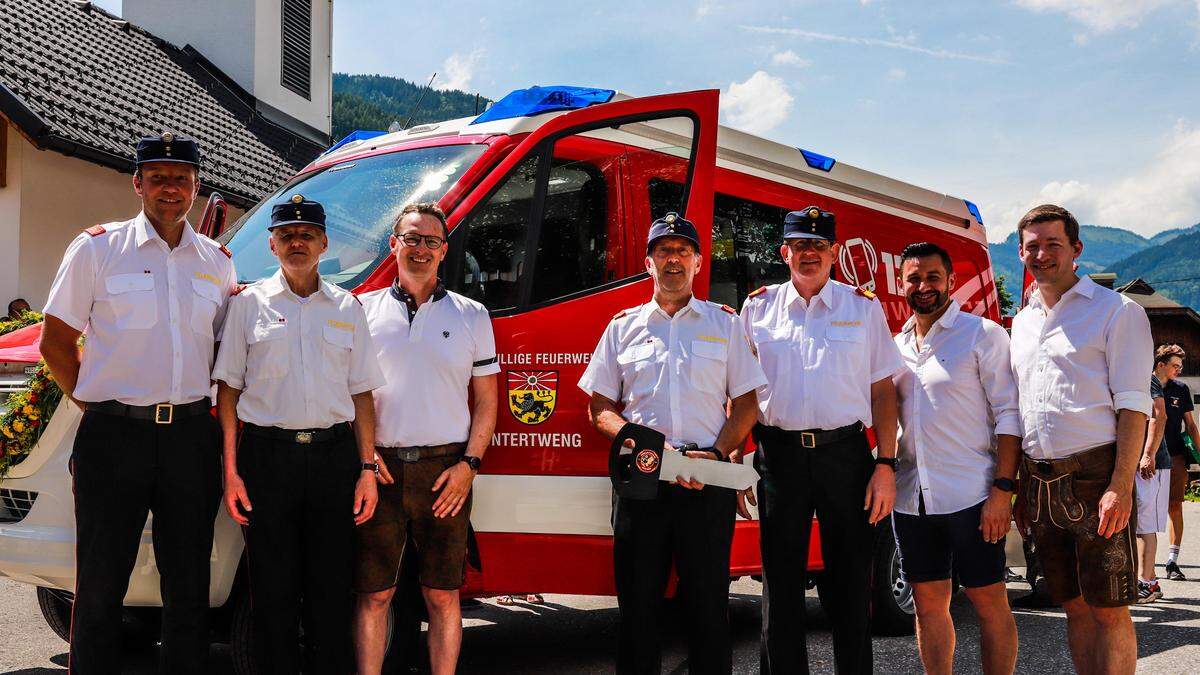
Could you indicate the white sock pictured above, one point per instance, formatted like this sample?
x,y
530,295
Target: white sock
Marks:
x,y
1172,554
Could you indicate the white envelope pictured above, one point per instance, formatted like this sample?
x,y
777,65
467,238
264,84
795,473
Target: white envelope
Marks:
x,y
707,471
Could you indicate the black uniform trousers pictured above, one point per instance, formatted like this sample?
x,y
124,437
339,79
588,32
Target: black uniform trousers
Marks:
x,y
300,549
123,469
693,529
830,479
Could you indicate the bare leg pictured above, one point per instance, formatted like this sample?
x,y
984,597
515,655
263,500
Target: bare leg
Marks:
x,y
370,630
935,628
1147,545
997,628
1114,645
1081,632
445,629
1175,523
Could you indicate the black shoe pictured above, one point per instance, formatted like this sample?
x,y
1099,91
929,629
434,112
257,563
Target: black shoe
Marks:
x,y
1173,572
1035,600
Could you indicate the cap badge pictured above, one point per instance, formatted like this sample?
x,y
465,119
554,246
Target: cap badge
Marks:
x,y
297,198
670,218
168,137
814,213
297,213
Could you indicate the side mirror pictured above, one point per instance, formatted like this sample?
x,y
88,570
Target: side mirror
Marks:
x,y
212,223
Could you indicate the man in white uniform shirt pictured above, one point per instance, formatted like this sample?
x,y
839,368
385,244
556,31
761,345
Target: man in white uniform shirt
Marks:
x,y
1080,353
434,346
149,294
674,363
297,367
829,359
959,447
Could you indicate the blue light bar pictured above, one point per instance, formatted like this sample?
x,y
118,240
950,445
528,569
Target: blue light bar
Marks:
x,y
352,137
537,100
974,211
817,161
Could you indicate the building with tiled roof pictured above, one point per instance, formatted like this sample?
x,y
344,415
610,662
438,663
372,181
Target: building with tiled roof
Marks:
x,y
79,85
1170,323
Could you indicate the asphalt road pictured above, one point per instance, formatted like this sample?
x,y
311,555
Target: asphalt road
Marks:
x,y
574,634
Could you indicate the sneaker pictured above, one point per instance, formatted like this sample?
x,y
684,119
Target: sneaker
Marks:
x,y
1173,572
1148,593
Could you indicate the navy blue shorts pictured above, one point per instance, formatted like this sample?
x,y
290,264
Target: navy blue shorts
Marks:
x,y
937,547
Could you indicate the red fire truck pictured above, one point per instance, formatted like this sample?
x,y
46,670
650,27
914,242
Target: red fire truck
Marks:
x,y
549,195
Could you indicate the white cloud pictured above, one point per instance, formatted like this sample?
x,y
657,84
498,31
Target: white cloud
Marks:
x,y
1162,194
1099,16
757,105
457,71
904,43
791,58
897,74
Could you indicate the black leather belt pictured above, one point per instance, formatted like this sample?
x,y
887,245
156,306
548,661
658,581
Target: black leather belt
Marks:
x,y
811,438
161,413
415,453
301,436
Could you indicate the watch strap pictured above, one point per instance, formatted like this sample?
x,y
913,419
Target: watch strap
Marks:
x,y
473,462
889,461
369,466
1006,484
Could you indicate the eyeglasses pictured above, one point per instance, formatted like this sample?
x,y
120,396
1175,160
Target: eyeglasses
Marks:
x,y
818,245
414,240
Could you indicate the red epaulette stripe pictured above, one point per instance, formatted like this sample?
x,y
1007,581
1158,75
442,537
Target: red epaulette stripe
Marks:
x,y
227,252
729,309
96,230
757,292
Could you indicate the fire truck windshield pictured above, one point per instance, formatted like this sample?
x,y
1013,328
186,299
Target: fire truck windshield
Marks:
x,y
361,198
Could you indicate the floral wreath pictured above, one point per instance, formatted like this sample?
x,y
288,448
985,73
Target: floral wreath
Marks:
x,y
28,410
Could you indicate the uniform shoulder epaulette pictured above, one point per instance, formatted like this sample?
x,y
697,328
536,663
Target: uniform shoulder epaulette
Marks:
x,y
757,292
227,252
865,293
729,309
620,314
96,230
238,288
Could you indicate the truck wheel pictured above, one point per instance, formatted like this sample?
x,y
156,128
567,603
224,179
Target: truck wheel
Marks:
x,y
56,610
892,611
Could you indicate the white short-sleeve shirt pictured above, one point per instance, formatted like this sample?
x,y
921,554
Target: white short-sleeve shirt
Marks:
x,y
820,357
674,374
428,358
149,313
297,360
1078,364
956,394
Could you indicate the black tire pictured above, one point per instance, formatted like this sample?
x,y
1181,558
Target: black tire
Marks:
x,y
892,611
56,610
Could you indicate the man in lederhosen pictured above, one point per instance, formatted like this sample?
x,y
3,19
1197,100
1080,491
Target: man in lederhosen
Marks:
x,y
297,366
149,295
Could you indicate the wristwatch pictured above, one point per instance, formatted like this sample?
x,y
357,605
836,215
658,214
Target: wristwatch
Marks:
x,y
473,462
369,466
1006,484
890,461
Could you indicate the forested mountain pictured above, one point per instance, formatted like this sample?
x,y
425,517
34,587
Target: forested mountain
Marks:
x,y
1173,269
374,102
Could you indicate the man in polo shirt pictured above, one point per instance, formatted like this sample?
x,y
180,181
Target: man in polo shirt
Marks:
x,y
1180,422
1080,353
435,346
958,457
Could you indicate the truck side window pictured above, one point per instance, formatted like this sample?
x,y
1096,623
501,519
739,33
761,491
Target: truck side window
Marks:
x,y
745,245
495,247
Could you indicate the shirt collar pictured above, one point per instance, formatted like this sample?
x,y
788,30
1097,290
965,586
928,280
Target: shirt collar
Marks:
x,y
404,296
649,308
276,284
1085,287
825,295
145,232
946,320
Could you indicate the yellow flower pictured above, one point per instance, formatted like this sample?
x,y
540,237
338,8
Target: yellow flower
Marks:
x,y
18,426
28,410
6,432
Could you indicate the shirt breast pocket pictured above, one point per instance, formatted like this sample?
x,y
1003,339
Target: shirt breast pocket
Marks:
x,y
206,297
336,345
132,299
637,364
708,365
267,351
845,337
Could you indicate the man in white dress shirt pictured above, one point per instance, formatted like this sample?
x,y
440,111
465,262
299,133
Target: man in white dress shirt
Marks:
x,y
435,346
674,363
297,367
959,447
149,294
1080,353
828,355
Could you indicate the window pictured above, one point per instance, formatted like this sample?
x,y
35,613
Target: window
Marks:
x,y
573,250
745,245
296,57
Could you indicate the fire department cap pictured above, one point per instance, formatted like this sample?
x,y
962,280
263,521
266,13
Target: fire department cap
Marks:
x,y
672,225
297,211
809,223
168,147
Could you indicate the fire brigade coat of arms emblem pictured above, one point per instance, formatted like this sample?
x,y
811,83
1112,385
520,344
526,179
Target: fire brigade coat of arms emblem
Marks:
x,y
532,394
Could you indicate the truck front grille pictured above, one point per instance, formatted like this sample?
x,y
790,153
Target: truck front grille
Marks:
x,y
15,504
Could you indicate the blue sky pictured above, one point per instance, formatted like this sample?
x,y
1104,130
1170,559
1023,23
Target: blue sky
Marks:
x,y
1094,104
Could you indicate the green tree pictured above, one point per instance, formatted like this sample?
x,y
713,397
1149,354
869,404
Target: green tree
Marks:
x,y
1006,300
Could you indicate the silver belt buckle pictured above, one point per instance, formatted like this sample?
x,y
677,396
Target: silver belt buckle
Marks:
x,y
808,439
164,413
409,454
304,437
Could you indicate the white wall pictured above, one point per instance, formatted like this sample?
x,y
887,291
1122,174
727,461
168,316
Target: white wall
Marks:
x,y
316,112
10,217
59,197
